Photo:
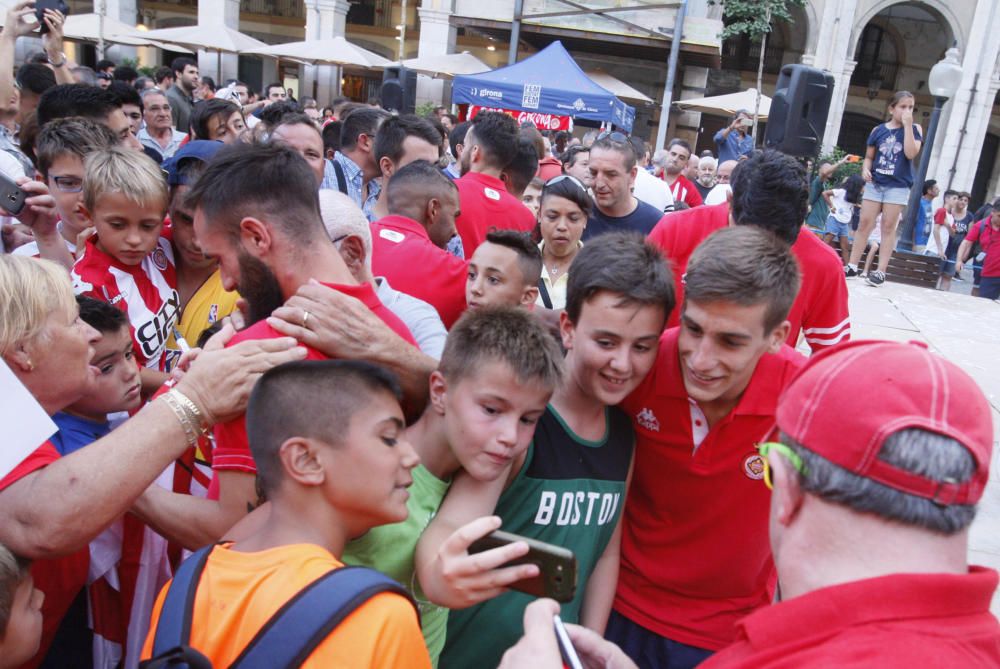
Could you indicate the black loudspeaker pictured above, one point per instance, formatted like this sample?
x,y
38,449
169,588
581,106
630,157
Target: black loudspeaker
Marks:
x,y
399,90
801,103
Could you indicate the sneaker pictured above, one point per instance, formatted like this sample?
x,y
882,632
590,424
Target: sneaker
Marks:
x,y
862,276
958,277
850,271
876,278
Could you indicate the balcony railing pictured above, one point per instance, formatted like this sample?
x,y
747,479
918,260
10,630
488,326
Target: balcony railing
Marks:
x,y
744,55
291,9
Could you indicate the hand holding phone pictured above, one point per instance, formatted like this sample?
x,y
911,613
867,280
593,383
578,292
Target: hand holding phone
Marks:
x,y
557,565
42,5
11,196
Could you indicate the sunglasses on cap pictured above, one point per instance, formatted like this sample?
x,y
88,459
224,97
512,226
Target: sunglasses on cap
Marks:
x,y
563,177
613,136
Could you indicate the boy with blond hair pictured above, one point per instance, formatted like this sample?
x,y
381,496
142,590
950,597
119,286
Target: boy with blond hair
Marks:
x,y
127,263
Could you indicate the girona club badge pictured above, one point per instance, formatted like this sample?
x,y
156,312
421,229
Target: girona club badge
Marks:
x,y
753,466
159,259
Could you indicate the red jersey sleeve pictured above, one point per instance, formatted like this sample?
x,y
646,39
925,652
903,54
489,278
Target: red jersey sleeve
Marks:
x,y
692,198
43,455
939,216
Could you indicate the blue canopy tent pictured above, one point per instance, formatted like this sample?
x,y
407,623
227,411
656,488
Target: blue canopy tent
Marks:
x,y
550,82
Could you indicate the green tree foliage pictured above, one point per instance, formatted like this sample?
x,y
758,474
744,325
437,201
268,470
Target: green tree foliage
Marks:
x,y
754,18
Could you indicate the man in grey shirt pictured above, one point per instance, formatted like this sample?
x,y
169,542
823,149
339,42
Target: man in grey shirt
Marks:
x,y
181,94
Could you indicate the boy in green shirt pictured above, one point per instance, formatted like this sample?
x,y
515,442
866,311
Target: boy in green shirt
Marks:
x,y
497,372
569,486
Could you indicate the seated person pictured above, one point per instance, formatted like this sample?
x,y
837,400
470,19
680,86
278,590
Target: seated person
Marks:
x,y
116,388
334,462
20,610
504,270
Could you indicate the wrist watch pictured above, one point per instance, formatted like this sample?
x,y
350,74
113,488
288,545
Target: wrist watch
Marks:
x,y
60,63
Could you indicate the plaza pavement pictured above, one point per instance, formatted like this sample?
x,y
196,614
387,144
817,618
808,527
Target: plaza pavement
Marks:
x,y
964,329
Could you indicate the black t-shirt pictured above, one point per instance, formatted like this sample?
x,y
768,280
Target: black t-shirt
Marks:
x,y
642,220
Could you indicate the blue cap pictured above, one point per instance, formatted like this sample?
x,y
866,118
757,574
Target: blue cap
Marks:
x,y
197,149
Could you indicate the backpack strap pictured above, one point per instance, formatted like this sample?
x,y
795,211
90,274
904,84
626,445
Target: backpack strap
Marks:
x,y
543,292
341,177
173,628
292,634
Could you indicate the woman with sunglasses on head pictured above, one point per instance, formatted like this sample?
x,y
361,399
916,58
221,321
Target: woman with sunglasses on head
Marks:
x,y
562,218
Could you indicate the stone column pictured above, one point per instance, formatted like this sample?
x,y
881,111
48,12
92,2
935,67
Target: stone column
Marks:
x,y
216,12
325,19
437,38
833,53
970,109
687,124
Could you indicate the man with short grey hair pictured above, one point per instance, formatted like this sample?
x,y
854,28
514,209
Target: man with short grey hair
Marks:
x,y
870,514
158,133
705,180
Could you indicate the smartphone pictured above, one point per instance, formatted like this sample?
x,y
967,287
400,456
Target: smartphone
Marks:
x,y
569,655
556,565
42,5
11,196
853,158
747,122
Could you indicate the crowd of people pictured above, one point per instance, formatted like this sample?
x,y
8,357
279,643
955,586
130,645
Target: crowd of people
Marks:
x,y
302,360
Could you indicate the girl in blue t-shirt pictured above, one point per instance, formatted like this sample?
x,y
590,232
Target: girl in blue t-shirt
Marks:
x,y
888,169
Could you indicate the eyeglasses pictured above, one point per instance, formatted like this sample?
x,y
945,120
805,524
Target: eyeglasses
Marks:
x,y
613,136
793,457
68,184
563,177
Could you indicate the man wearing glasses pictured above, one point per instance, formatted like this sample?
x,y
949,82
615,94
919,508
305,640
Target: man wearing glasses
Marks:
x,y
695,554
613,168
869,518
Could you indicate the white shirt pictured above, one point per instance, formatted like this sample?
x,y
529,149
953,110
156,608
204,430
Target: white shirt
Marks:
x,y
419,317
718,195
842,209
652,191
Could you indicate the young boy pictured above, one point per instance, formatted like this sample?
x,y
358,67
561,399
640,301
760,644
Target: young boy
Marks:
x,y
939,244
126,263
20,611
333,459
504,270
117,387
498,370
569,487
60,149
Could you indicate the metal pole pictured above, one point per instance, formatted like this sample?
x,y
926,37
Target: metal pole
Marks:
x,y
515,31
668,87
906,237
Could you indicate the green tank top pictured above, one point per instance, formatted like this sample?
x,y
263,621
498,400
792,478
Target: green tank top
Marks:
x,y
390,549
569,492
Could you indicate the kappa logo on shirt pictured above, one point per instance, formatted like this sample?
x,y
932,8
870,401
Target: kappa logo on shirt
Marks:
x,y
648,420
391,235
491,193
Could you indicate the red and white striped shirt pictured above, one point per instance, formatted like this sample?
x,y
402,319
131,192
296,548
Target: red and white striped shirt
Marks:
x,y
147,292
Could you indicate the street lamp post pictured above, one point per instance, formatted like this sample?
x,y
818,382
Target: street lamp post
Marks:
x,y
943,82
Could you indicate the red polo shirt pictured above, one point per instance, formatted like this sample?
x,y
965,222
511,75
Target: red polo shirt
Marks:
x,y
984,233
820,309
486,204
232,450
61,578
695,552
902,620
404,254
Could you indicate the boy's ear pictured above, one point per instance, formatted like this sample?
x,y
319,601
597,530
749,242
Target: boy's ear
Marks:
x,y
84,214
301,461
567,331
778,336
529,297
438,386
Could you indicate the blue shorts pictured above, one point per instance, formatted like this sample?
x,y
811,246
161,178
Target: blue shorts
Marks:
x,y
886,194
836,228
989,287
648,649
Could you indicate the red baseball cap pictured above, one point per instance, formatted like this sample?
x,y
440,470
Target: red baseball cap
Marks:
x,y
845,402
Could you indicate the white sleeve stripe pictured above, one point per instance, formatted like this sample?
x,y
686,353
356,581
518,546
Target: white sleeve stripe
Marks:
x,y
829,341
836,328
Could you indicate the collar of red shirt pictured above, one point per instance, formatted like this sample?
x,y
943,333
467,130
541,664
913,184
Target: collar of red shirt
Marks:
x,y
760,397
364,292
404,224
486,180
896,597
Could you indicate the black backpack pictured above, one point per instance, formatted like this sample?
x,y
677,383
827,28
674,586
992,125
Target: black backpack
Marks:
x,y
287,639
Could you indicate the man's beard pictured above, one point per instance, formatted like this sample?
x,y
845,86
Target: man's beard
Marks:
x,y
259,287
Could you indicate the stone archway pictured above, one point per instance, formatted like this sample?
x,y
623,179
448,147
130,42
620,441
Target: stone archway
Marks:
x,y
935,8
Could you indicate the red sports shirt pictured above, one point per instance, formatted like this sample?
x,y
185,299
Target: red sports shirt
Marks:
x,y
486,204
819,311
61,578
988,238
232,450
695,551
896,622
404,254
147,292
684,191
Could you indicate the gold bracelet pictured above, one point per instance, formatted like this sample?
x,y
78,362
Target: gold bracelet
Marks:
x,y
188,418
192,408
